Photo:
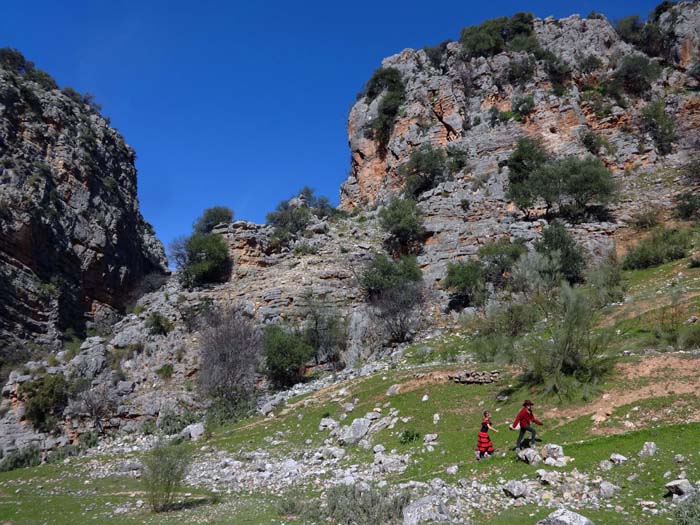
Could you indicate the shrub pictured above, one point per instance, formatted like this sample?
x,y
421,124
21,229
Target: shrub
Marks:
x,y
522,106
663,246
201,259
164,468
466,282
646,36
646,219
348,504
536,274
171,422
324,329
304,248
403,220
688,205
635,74
212,217
692,170
604,282
569,360
46,397
558,71
382,274
493,36
688,511
592,142
408,436
98,402
395,309
689,337
457,159
694,263
589,64
521,71
230,352
435,54
529,154
158,324
292,216
285,356
425,169
26,457
498,258
659,125
587,180
387,81
557,240
165,371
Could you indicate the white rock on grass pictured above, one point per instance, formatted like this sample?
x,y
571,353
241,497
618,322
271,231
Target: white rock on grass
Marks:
x,y
353,433
565,517
327,423
648,450
393,390
452,470
550,450
605,465
530,456
680,488
617,459
607,489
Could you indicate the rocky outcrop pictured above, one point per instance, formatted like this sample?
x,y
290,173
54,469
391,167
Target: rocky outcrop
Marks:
x,y
73,245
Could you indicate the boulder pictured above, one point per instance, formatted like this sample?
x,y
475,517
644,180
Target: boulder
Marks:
x,y
648,450
617,459
530,456
550,450
430,438
607,489
516,489
193,431
393,390
327,423
354,432
548,477
680,489
426,510
565,517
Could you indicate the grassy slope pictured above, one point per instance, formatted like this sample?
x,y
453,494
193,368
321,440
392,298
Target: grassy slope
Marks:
x,y
58,494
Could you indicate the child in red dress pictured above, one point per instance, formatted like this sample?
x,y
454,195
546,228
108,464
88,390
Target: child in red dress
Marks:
x,y
484,447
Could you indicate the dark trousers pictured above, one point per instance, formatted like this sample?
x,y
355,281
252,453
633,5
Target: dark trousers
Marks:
x,y
522,433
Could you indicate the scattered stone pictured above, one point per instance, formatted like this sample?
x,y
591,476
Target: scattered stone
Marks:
x,y
452,470
471,377
193,431
550,450
430,438
327,423
605,465
354,432
425,397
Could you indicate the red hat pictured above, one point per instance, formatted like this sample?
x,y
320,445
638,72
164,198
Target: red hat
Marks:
x,y
528,403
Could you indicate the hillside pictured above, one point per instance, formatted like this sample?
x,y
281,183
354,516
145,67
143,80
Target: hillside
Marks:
x,y
520,221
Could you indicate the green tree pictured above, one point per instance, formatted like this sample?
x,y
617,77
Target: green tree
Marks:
x,y
587,179
387,81
635,74
529,154
201,259
403,220
212,217
557,242
499,257
285,356
659,125
425,169
382,274
466,282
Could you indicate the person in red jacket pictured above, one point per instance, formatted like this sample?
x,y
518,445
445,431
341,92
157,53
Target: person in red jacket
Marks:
x,y
524,421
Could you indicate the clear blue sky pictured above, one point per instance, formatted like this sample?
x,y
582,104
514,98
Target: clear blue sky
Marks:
x,y
238,103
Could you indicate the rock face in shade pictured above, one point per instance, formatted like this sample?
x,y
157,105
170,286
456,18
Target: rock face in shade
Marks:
x,y
73,244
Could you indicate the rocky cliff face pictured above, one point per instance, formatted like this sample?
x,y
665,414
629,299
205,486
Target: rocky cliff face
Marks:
x,y
73,245
450,103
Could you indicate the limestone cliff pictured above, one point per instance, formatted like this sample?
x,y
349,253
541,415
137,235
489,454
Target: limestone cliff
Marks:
x,y
73,244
